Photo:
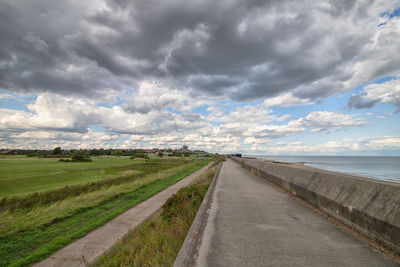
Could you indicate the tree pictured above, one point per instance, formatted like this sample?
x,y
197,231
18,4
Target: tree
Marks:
x,y
94,152
57,151
117,152
160,154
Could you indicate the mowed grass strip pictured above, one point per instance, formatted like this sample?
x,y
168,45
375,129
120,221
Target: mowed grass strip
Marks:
x,y
18,220
21,174
157,241
36,243
127,173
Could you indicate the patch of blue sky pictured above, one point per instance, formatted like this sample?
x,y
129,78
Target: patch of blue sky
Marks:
x,y
173,110
118,101
386,126
336,103
379,80
202,110
97,128
382,125
389,15
16,101
394,13
117,143
229,105
303,137
295,112
106,104
215,123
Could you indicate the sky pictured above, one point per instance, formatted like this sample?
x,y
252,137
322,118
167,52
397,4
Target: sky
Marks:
x,y
229,76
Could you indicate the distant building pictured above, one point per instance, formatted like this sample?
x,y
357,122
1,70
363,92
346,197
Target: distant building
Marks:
x,y
151,152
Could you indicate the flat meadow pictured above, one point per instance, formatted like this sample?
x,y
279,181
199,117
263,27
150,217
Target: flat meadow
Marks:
x,y
45,204
21,174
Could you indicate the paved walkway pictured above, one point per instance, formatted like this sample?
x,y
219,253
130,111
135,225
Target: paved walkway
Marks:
x,y
88,249
252,224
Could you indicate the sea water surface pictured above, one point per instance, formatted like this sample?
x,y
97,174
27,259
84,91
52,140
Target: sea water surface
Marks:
x,y
378,167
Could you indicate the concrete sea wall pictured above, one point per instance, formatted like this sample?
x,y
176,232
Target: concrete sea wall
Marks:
x,y
369,206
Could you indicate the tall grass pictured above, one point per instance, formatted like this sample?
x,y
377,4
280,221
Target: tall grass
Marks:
x,y
12,221
34,243
157,241
43,198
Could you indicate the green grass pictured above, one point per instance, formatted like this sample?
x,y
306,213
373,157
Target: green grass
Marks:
x,y
31,235
127,173
20,174
157,241
23,219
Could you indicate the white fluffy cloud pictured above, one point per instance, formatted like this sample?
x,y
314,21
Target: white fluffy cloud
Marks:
x,y
246,114
387,92
53,120
331,147
286,100
154,97
70,114
66,121
330,121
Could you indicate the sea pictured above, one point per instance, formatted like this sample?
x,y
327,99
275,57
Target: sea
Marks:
x,y
377,167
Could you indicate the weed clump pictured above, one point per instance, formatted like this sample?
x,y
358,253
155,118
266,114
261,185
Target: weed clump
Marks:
x,y
156,242
188,198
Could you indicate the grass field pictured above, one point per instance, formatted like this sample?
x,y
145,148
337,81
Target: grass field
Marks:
x,y
157,241
21,174
33,225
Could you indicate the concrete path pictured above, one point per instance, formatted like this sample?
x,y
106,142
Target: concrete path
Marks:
x,y
250,223
87,250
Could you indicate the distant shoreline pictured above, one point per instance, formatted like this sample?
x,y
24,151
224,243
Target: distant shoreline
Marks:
x,y
386,168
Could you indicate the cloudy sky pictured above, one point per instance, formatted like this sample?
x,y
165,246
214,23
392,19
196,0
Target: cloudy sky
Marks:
x,y
257,77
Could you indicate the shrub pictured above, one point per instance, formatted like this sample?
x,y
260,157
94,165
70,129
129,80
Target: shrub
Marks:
x,y
139,155
80,156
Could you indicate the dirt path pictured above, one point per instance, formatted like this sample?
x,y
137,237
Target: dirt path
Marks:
x,y
88,249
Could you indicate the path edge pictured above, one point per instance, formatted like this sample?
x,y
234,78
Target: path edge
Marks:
x,y
186,255
83,261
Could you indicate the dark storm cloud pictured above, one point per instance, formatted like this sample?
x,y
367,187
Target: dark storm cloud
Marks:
x,y
239,49
359,102
31,58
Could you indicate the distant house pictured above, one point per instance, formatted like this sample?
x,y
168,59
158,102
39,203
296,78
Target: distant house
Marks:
x,y
151,152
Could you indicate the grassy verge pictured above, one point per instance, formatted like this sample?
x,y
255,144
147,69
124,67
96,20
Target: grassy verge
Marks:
x,y
24,219
157,241
36,243
22,175
127,173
